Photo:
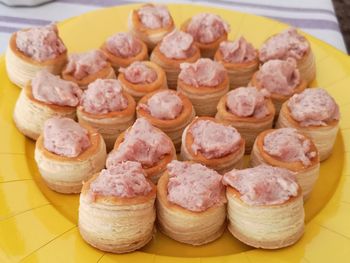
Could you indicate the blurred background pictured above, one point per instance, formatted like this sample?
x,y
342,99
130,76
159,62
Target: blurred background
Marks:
x,y
328,20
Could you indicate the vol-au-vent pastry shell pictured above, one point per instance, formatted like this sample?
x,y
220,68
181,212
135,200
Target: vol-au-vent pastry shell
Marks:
x,y
246,63
306,168
265,206
172,127
151,36
232,159
138,90
323,136
248,126
119,224
111,123
195,228
66,174
118,61
28,108
171,66
21,68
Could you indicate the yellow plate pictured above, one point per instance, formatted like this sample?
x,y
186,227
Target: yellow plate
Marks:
x,y
38,225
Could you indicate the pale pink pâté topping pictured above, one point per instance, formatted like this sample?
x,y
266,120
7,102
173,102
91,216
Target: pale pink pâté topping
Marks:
x,y
65,137
194,186
214,140
139,73
123,45
51,89
103,96
142,143
165,105
239,51
126,180
154,16
313,107
177,45
263,185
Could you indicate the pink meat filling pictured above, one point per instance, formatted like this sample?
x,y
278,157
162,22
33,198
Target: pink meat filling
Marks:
x,y
40,43
313,107
139,73
51,89
194,186
64,136
289,146
142,143
263,185
248,102
126,179
103,96
279,76
288,43
165,105
123,45
239,51
154,16
204,72
207,28
214,140
81,65
177,45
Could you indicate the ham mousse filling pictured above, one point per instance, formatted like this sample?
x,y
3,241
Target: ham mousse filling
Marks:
x,y
177,45
81,65
142,143
40,43
207,28
139,73
239,51
51,89
248,102
65,137
313,107
123,45
164,105
154,16
287,44
126,180
288,145
279,76
263,185
204,72
103,96
214,140
194,186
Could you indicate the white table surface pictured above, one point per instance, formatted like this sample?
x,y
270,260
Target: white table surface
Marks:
x,y
317,17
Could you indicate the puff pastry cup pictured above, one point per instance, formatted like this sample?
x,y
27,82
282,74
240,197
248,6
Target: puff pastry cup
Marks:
x,y
116,224
207,50
21,68
248,127
306,64
172,66
323,136
239,74
105,73
111,124
222,164
265,226
137,91
306,175
185,226
120,62
28,108
174,127
153,172
279,99
204,99
67,174
149,36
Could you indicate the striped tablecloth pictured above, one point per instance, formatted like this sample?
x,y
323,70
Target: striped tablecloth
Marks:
x,y
316,17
